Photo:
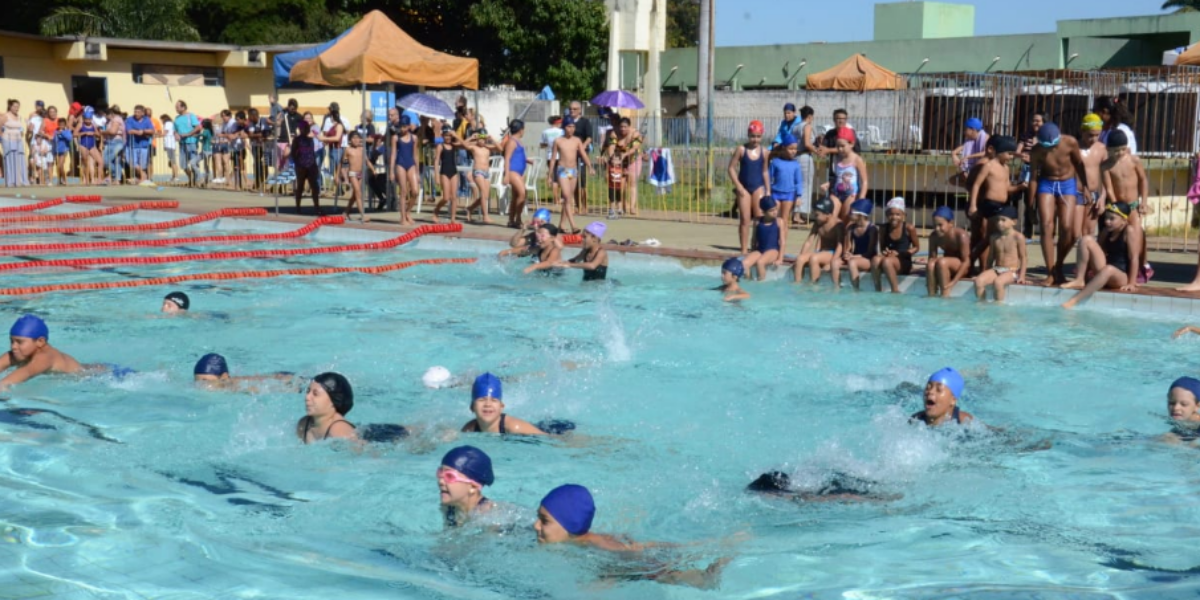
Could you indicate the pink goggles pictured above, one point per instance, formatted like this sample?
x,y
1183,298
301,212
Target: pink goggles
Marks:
x,y
448,476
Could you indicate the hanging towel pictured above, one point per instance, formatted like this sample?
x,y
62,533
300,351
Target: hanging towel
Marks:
x,y
1193,194
662,173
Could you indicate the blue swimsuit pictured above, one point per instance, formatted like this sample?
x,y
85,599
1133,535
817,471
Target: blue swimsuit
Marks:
x,y
767,235
517,163
404,153
861,244
87,141
751,173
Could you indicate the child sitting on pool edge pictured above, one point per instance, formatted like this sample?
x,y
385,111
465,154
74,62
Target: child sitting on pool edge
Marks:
x,y
731,271
861,241
1006,260
768,249
823,247
565,517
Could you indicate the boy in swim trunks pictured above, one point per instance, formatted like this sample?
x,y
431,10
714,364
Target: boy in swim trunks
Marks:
x,y
731,271
565,156
990,194
1007,256
1109,260
31,354
955,244
481,147
1095,154
565,516
823,248
1125,181
942,392
1056,164
352,167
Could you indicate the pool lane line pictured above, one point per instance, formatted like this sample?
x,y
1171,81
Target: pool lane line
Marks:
x,y
167,242
48,203
192,220
235,255
89,214
228,276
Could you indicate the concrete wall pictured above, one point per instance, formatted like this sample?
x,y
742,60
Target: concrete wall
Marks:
x,y
923,20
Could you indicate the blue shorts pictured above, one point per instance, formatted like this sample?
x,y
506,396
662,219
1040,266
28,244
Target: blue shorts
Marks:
x,y
1058,189
783,196
568,173
137,156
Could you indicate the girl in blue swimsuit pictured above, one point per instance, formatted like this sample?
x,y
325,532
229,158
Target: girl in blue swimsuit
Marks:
x,y
768,248
862,240
408,165
515,161
748,168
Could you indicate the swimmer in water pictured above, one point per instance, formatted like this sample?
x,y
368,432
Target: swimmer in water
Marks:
x,y
565,517
1182,400
549,252
942,392
731,272
487,402
525,242
31,354
840,488
176,302
213,372
464,472
328,400
593,259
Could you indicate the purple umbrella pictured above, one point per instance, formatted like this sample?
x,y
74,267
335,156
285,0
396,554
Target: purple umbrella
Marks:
x,y
617,99
426,106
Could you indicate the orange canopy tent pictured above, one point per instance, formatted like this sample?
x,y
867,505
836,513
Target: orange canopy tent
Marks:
x,y
376,51
855,74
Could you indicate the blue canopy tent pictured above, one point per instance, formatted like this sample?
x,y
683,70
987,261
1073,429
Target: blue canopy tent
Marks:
x,y
284,62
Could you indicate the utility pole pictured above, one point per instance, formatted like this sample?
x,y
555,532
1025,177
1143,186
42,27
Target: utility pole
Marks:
x,y
704,85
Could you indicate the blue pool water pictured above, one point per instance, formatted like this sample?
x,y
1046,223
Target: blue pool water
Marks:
x,y
681,401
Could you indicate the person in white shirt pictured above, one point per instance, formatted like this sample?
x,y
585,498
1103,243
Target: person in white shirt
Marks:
x,y
170,145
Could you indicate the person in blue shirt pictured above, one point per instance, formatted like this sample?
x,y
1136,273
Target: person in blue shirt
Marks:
x,y
788,126
62,149
187,133
787,182
139,129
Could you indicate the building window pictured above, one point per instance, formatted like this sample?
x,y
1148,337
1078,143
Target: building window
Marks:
x,y
175,75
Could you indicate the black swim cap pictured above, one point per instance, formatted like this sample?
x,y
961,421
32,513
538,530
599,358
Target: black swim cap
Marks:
x,y
211,364
180,299
1008,210
550,228
516,126
1117,139
339,390
1003,143
772,482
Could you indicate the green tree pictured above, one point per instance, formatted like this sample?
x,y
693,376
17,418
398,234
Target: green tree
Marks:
x,y
134,19
533,43
1182,5
267,21
683,23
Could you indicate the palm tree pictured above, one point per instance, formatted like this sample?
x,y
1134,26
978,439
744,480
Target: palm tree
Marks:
x,y
131,19
1182,5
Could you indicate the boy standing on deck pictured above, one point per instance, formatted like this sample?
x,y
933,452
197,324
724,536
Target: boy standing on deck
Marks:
x,y
1125,181
568,155
990,196
31,353
1087,213
1056,163
549,136
955,244
1008,261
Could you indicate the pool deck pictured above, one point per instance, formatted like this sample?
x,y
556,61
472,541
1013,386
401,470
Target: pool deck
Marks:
x,y
690,242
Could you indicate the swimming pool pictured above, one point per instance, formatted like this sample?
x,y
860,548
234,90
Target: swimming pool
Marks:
x,y
682,400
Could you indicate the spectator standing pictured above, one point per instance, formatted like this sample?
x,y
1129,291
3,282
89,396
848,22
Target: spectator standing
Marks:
x,y
807,147
187,133
789,125
158,133
114,145
222,139
583,131
140,132
170,145
333,136
32,131
237,150
1116,116
841,120
973,148
258,133
287,123
549,136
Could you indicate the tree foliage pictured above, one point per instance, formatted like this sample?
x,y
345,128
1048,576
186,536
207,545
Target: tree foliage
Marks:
x,y
683,23
139,19
1182,5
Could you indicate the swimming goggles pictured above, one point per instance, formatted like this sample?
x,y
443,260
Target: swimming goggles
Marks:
x,y
447,475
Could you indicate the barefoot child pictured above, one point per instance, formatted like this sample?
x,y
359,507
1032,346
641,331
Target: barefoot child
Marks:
x,y
861,241
750,173
766,242
567,152
516,162
898,242
1007,256
1125,181
850,174
352,166
481,147
1109,260
731,271
787,184
1056,164
31,354
823,248
1095,154
447,172
616,186
565,517
593,259
990,194
955,244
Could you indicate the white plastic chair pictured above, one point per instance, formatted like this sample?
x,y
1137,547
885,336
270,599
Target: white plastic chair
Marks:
x,y
496,177
877,141
426,178
531,179
915,134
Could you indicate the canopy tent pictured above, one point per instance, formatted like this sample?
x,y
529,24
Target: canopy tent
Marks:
x,y
1189,57
376,51
855,74
283,63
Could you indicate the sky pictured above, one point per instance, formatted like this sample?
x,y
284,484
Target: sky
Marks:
x,y
762,22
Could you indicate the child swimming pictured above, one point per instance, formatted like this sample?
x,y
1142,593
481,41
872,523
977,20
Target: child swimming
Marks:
x,y
942,392
1007,257
327,402
487,402
549,251
212,371
525,243
955,244
768,234
31,354
898,242
463,474
823,248
731,271
565,516
593,259
861,242
176,302
1182,398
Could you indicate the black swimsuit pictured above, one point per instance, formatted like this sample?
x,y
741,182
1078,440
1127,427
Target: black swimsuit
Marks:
x,y
451,515
503,430
900,247
1116,252
449,169
308,421
924,418
600,273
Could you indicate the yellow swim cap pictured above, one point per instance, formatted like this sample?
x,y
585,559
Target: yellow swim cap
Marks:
x,y
1093,122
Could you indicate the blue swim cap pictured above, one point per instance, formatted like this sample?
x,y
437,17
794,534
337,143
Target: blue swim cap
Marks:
x,y
767,203
787,140
211,364
472,462
1190,384
862,207
951,379
735,267
789,106
975,123
543,214
568,120
944,212
487,386
31,327
88,112
572,506
405,120
1048,135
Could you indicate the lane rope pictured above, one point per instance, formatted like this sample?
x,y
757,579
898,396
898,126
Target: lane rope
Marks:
x,y
48,203
90,214
209,216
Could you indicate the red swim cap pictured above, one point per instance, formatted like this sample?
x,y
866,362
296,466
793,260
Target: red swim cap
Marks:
x,y
756,127
845,133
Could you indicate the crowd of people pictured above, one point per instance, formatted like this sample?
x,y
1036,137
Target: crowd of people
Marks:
x,y
1089,194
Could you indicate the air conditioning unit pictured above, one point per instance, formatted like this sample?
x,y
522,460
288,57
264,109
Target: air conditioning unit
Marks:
x,y
256,57
93,51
